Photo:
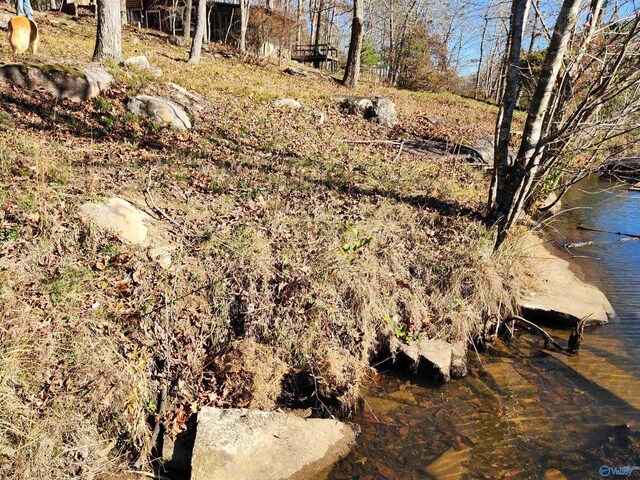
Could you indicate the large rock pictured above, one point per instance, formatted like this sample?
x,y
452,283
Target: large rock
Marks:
x,y
74,83
437,358
119,217
241,444
187,99
557,295
485,148
142,63
161,111
130,225
375,109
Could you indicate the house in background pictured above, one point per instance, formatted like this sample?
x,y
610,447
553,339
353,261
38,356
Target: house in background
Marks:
x,y
168,16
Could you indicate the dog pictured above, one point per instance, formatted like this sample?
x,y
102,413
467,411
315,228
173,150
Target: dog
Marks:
x,y
23,35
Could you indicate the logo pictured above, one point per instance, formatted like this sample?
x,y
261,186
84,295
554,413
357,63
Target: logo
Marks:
x,y
606,471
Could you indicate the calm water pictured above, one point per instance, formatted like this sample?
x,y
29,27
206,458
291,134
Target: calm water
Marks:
x,y
524,412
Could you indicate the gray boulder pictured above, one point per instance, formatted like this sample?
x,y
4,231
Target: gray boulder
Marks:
x,y
375,109
187,99
177,41
142,63
73,83
241,444
161,111
384,112
441,359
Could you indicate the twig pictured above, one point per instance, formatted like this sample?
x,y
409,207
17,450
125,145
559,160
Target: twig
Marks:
x,y
399,152
622,234
388,142
160,211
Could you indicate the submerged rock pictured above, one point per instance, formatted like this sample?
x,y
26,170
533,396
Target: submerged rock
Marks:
x,y
74,83
558,295
441,359
375,109
241,444
161,111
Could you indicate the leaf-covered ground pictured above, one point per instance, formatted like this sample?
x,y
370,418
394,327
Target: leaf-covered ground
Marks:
x,y
300,254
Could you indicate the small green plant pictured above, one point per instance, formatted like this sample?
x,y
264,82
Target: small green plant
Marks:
x,y
357,244
154,128
7,234
108,121
102,104
401,329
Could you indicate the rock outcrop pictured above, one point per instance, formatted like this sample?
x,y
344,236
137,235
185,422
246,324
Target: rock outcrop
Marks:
x,y
73,83
558,295
375,109
160,110
241,444
437,358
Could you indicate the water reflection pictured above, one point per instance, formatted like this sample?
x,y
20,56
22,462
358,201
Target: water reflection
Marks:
x,y
523,412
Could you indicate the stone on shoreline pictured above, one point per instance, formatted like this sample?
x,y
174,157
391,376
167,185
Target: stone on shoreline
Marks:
x,y
242,444
441,359
558,295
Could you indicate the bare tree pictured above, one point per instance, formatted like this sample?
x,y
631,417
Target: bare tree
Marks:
x,y
109,33
585,109
187,19
123,12
352,70
198,37
244,22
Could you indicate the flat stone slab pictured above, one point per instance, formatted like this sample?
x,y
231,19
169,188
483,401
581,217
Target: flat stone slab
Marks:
x,y
242,444
446,360
74,83
120,217
160,110
558,295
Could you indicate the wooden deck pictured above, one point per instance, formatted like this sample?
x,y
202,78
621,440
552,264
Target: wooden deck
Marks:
x,y
321,56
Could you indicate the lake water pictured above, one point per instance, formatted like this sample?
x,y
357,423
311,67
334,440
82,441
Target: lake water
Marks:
x,y
524,412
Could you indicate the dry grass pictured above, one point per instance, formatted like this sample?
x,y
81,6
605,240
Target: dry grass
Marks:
x,y
301,255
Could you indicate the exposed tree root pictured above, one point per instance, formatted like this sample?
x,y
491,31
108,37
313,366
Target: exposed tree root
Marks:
x,y
575,337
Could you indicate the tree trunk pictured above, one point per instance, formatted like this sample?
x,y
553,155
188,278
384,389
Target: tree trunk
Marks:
x,y
299,19
198,36
271,5
352,70
484,34
514,181
509,96
109,33
244,21
187,19
123,12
